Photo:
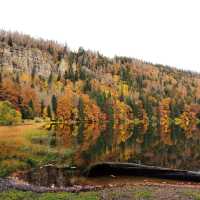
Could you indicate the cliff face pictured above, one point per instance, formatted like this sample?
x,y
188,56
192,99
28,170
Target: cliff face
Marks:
x,y
26,59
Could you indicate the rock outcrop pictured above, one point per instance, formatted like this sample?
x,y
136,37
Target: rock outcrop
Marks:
x,y
26,59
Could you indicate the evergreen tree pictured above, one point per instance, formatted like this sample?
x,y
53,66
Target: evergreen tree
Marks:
x,y
76,76
42,106
49,112
60,55
80,136
59,76
1,78
135,108
33,72
27,111
54,104
31,109
81,110
10,42
30,104
176,109
82,74
71,74
101,100
66,76
51,50
148,107
17,79
87,86
110,126
50,79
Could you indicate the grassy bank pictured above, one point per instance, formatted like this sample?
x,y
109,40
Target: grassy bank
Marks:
x,y
122,193
26,146
18,195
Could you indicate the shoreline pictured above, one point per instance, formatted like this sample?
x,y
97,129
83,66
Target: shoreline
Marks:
x,y
11,184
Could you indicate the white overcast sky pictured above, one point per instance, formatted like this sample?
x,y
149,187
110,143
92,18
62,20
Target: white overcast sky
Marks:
x,y
159,31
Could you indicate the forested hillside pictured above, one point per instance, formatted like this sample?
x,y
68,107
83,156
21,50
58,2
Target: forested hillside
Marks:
x,y
44,79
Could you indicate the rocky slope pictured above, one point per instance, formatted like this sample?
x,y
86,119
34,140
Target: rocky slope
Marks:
x,y
17,58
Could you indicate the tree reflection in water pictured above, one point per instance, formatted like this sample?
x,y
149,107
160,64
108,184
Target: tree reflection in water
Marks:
x,y
126,142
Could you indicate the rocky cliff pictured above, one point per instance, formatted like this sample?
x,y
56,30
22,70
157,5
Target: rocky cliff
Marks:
x,y
27,59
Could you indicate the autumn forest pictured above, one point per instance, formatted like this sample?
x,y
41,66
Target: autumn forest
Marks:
x,y
119,109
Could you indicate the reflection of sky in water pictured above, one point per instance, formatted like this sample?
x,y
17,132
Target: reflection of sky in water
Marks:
x,y
108,142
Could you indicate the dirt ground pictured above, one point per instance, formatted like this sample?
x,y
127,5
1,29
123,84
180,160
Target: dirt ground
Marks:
x,y
151,192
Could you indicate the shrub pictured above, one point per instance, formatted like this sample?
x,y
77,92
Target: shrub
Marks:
x,y
68,153
9,166
31,162
8,114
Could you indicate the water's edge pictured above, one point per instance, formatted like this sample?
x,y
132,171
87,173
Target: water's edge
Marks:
x,y
8,184
51,178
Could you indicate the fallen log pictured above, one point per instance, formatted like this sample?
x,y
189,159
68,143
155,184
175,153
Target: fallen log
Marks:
x,y
133,169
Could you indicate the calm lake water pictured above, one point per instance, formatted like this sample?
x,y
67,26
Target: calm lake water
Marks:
x,y
129,143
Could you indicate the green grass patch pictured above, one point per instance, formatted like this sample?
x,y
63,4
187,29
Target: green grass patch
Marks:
x,y
37,136
194,194
9,166
143,194
19,195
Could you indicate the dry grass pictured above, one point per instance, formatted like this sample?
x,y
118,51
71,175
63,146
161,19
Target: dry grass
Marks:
x,y
12,138
17,133
18,152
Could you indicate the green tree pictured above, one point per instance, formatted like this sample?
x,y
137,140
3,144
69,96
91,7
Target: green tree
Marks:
x,y
76,76
31,110
87,86
54,104
8,114
50,79
66,76
71,73
33,72
81,110
31,105
1,78
49,112
59,76
17,79
82,74
80,136
10,42
42,106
